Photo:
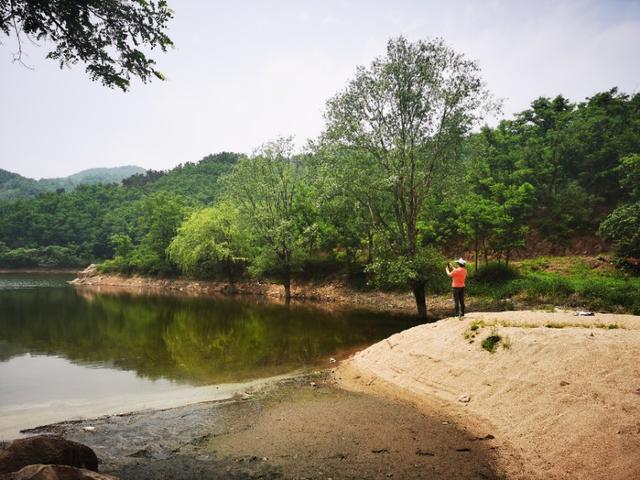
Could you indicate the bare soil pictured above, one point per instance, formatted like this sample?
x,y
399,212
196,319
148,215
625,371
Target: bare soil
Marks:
x,y
300,428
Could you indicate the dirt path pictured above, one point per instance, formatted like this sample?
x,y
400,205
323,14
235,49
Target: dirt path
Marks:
x,y
295,430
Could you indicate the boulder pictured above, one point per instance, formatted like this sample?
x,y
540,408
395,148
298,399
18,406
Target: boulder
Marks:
x,y
57,472
90,271
46,449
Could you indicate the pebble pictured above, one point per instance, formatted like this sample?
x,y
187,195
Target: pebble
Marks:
x,y
464,398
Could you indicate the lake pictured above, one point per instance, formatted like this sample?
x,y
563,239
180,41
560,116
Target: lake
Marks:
x,y
74,353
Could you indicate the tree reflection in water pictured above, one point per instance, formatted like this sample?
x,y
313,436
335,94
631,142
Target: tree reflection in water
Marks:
x,y
194,340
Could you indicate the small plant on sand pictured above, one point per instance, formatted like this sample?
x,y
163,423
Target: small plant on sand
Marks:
x,y
506,343
608,326
471,332
491,342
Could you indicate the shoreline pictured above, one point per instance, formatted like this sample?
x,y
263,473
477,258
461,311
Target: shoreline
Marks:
x,y
70,271
330,295
301,427
18,419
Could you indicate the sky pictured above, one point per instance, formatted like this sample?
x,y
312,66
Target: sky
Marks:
x,y
244,72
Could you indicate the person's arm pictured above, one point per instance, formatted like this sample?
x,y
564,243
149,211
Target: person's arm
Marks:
x,y
446,269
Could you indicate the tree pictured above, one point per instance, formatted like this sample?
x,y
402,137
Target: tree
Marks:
x,y
210,243
476,219
105,35
622,226
265,188
409,110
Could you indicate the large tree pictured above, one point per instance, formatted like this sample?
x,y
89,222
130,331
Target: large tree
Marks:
x,y
409,110
108,36
266,188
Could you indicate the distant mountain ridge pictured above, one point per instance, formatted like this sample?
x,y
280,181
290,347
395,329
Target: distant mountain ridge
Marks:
x,y
14,186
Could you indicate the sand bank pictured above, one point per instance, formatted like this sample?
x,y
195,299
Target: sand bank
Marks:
x,y
564,396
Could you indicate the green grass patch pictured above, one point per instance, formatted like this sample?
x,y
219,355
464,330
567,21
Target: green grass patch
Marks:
x,y
575,285
490,344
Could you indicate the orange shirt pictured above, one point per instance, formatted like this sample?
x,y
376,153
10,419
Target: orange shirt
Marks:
x,y
458,276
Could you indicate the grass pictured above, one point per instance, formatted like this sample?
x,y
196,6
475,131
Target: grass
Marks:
x,y
472,331
566,281
490,344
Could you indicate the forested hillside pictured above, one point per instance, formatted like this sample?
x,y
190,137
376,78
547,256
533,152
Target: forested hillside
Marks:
x,y
559,168
382,194
63,229
14,186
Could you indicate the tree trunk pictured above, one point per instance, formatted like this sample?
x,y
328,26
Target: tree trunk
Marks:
x,y
477,248
230,275
287,287
421,300
484,250
370,248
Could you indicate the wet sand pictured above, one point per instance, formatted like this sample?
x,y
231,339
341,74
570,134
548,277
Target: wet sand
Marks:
x,y
302,427
15,418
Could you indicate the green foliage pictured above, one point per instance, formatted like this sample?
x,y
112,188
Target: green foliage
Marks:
x,y
571,155
160,216
495,273
629,171
210,244
106,36
622,226
268,191
14,186
86,219
52,256
405,115
491,342
426,267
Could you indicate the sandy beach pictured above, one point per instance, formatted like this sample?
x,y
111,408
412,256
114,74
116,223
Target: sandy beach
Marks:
x,y
564,394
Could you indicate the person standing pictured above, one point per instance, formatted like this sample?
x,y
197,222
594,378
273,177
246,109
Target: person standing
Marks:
x,y
458,276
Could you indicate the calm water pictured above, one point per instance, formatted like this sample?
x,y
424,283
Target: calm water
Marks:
x,y
59,344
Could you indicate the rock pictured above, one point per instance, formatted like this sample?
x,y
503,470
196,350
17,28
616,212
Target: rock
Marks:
x,y
564,383
57,472
46,449
380,450
90,271
464,398
424,453
332,360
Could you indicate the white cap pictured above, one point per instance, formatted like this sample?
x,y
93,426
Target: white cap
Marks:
x,y
461,261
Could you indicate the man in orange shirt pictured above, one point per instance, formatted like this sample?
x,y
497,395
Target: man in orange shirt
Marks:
x,y
458,276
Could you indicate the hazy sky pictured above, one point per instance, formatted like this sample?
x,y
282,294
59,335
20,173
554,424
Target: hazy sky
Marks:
x,y
244,72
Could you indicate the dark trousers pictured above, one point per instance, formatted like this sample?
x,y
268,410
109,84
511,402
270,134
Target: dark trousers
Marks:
x,y
458,300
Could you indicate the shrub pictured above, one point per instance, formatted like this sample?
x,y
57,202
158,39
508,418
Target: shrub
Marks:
x,y
51,256
491,342
496,273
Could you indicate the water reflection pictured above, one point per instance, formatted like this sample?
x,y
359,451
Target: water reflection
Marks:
x,y
194,340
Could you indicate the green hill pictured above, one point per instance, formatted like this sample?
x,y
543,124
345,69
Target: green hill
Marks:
x,y
14,186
